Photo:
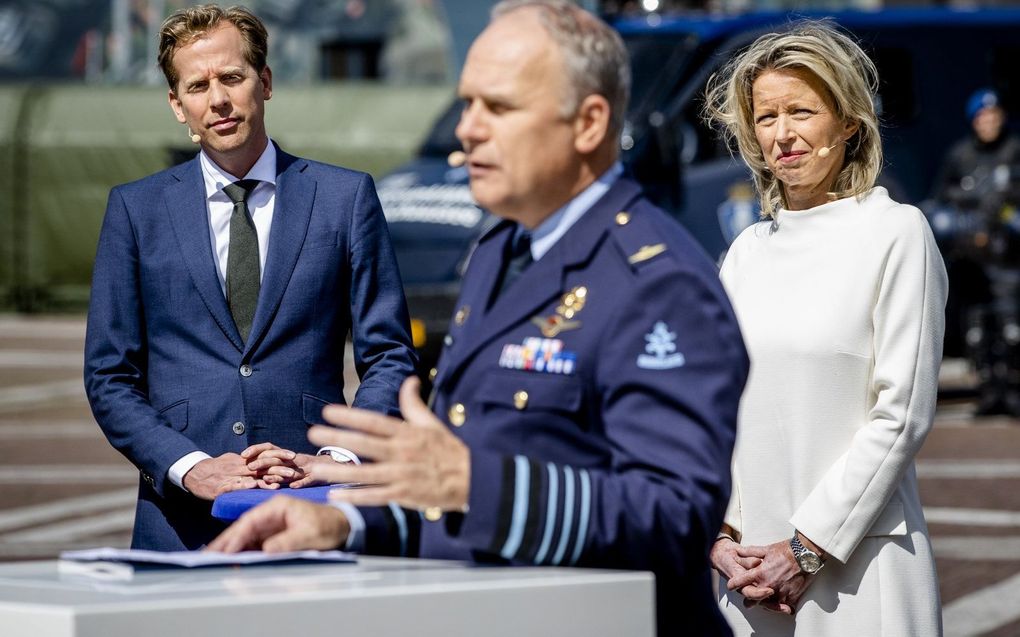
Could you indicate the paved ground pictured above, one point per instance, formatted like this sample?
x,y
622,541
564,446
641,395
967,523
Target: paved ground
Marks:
x,y
62,486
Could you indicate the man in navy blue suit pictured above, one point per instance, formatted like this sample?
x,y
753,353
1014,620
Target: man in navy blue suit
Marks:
x,y
585,403
223,292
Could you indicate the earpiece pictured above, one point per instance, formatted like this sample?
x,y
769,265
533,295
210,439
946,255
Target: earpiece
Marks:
x,y
194,138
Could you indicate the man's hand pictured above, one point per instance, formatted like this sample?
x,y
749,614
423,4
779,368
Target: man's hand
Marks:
x,y
275,467
285,524
213,476
418,463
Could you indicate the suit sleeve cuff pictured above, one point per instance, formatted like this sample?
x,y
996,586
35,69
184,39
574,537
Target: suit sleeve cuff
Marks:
x,y
356,539
180,468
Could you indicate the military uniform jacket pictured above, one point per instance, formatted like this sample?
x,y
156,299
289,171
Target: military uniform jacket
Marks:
x,y
598,396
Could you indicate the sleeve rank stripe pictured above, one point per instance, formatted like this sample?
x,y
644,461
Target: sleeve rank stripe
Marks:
x,y
528,544
522,476
401,521
550,513
582,524
506,502
568,514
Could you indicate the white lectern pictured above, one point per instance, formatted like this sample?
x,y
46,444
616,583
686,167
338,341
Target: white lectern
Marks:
x,y
376,596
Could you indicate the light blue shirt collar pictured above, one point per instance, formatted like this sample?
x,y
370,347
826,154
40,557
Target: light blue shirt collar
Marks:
x,y
545,236
216,178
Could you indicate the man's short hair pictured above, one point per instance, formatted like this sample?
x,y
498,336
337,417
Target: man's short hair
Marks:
x,y
187,25
594,55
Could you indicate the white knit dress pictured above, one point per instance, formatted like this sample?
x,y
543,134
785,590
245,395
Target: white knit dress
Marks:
x,y
841,307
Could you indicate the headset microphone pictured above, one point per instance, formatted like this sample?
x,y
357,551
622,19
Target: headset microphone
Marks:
x,y
194,138
824,151
456,159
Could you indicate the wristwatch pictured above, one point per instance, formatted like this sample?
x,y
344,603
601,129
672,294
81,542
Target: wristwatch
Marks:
x,y
339,454
809,561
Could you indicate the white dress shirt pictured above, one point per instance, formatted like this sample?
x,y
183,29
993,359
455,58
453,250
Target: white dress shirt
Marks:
x,y
219,207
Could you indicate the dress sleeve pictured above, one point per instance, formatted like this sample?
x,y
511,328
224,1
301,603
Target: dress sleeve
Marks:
x,y
908,320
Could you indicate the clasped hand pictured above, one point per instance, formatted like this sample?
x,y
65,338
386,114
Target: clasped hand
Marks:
x,y
261,466
768,576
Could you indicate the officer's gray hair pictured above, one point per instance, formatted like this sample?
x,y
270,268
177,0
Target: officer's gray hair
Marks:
x,y
846,72
596,60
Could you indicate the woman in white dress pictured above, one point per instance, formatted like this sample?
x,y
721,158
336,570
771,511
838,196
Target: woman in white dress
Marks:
x,y
840,293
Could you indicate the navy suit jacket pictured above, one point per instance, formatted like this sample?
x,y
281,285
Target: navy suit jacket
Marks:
x,y
600,422
166,371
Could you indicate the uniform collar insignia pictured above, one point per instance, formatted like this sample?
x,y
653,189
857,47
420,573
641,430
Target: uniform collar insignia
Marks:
x,y
572,302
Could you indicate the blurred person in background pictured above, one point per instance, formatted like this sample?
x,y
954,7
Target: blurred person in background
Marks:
x,y
976,219
840,293
208,339
585,403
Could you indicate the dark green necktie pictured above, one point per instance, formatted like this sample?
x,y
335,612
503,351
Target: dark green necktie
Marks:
x,y
242,258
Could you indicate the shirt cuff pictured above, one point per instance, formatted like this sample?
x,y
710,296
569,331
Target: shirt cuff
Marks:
x,y
356,538
180,468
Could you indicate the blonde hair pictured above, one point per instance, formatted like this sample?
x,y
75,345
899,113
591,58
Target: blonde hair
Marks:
x,y
187,25
848,75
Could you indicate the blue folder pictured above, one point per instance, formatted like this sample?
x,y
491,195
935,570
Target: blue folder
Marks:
x,y
231,505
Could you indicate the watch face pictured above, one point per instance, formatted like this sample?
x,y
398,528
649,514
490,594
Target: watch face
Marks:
x,y
809,562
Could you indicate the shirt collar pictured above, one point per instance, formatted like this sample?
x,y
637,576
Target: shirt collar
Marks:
x,y
216,178
547,233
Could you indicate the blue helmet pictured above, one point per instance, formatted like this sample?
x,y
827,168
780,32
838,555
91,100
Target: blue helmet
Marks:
x,y
981,98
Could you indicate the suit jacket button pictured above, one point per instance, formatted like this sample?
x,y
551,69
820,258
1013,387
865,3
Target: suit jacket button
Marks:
x,y
521,399
238,428
448,340
245,370
457,414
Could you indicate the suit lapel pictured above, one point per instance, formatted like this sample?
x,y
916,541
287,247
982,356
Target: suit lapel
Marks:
x,y
292,210
185,202
540,283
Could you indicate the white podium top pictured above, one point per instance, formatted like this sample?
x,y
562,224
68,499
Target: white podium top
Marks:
x,y
376,596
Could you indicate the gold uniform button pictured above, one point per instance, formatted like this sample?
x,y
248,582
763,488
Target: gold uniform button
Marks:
x,y
457,415
461,316
432,514
622,218
432,373
520,400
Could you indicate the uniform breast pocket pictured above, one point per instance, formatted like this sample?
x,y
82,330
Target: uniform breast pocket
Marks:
x,y
530,391
176,415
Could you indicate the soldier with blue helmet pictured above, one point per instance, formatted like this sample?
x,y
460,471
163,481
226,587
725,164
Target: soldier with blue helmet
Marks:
x,y
585,402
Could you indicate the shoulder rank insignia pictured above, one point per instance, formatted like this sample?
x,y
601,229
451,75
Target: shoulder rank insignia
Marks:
x,y
646,253
538,355
661,349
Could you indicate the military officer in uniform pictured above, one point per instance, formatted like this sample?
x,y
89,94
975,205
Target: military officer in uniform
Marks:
x,y
585,402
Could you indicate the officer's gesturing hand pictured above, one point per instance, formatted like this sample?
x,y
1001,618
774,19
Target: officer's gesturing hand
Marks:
x,y
416,463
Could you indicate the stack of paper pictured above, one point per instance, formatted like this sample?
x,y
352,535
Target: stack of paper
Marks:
x,y
122,564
